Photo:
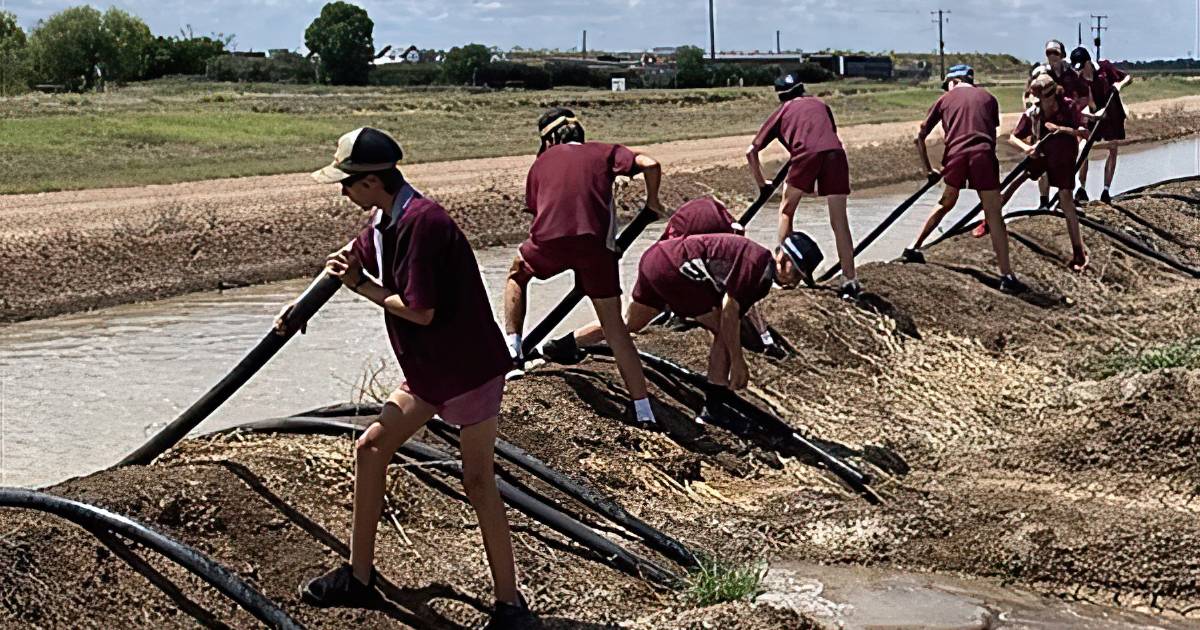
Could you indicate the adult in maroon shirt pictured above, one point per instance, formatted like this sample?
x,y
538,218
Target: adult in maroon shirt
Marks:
x,y
415,263
569,191
804,125
1105,81
969,117
1049,135
712,278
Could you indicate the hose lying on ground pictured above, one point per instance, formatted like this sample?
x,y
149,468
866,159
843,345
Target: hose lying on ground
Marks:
x,y
768,422
544,513
1165,182
588,496
314,297
624,240
884,225
96,519
1171,196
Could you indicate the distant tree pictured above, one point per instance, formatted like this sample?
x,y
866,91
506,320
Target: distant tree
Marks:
x,y
342,38
185,54
68,47
14,56
463,63
127,42
690,70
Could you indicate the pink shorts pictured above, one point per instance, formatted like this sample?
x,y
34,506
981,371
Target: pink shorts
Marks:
x,y
471,407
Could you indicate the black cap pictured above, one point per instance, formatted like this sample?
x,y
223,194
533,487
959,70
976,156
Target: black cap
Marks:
x,y
789,85
803,252
1079,57
553,119
363,150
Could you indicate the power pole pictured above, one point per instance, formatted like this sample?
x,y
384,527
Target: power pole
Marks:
x,y
1079,41
1098,28
712,32
584,43
779,50
941,19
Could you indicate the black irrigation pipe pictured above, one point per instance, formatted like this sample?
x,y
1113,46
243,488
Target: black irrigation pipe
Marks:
x,y
1124,239
770,423
594,500
884,225
314,297
624,240
959,226
544,513
96,520
588,496
1171,196
1165,182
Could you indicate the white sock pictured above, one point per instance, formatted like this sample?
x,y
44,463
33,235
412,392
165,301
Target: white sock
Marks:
x,y
641,408
514,345
767,339
1106,189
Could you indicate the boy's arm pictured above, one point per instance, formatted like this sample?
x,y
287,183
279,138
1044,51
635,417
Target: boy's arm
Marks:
x,y
652,171
730,337
393,303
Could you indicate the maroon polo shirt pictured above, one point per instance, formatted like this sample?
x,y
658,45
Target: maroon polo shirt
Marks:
x,y
429,263
1073,85
1104,76
569,190
969,116
1059,147
732,264
699,216
803,125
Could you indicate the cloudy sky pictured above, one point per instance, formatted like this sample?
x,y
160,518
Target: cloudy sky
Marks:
x,y
1140,29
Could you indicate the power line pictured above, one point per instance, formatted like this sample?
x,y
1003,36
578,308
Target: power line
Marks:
x,y
1097,29
941,20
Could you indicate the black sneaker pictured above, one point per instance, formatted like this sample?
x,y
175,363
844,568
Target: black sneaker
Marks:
x,y
1105,197
340,588
1010,285
850,290
512,617
1081,195
517,371
563,350
1043,203
774,351
910,255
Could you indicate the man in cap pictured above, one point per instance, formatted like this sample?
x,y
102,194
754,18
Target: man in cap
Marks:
x,y
1049,134
415,263
969,117
569,191
804,125
1104,80
703,215
714,279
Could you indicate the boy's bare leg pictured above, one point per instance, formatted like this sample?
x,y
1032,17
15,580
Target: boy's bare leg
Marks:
x,y
515,303
993,210
718,358
943,207
1067,204
608,311
1083,169
477,443
637,317
1110,165
841,233
402,416
1016,185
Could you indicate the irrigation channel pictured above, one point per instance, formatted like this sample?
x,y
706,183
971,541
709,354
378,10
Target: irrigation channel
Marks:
x,y
100,383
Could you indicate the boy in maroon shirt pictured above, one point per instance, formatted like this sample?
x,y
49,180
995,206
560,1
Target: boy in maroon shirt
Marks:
x,y
1103,79
712,278
417,265
1049,135
969,117
569,191
804,125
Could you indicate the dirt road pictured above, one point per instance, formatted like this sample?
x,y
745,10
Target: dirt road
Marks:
x,y
88,249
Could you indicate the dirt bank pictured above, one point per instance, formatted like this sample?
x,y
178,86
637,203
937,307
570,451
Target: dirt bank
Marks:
x,y
998,450
88,249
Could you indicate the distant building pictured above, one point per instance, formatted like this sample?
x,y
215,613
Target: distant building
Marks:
x,y
861,66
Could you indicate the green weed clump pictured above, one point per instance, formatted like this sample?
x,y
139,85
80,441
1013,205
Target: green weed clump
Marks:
x,y
715,582
1182,354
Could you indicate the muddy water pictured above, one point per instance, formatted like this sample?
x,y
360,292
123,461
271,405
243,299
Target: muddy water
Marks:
x,y
77,392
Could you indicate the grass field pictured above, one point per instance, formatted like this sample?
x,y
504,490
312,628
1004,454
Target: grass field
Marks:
x,y
171,131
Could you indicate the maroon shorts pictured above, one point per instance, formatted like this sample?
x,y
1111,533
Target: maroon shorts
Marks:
x,y
692,298
1111,128
975,170
826,173
596,267
471,407
1060,172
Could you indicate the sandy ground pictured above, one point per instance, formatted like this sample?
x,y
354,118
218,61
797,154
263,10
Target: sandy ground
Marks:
x,y
81,250
997,449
